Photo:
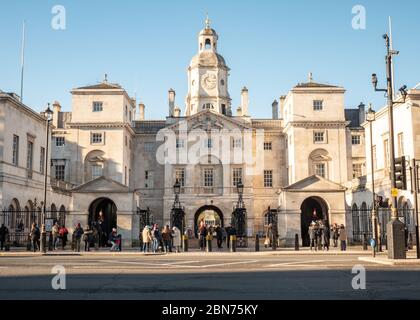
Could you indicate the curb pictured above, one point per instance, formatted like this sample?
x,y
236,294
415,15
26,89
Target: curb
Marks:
x,y
390,262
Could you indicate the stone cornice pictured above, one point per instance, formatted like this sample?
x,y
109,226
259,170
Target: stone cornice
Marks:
x,y
318,124
101,125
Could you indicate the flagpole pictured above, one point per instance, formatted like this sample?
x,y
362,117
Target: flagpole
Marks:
x,y
22,62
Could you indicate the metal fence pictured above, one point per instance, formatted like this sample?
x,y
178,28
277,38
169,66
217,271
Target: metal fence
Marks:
x,y
362,222
19,222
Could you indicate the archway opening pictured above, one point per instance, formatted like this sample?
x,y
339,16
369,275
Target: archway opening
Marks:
x,y
312,209
103,215
210,215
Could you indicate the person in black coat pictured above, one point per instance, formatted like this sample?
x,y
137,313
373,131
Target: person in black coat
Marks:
x,y
3,234
219,237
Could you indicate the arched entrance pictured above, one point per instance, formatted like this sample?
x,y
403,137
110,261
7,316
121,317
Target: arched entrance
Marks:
x,y
103,213
211,216
312,209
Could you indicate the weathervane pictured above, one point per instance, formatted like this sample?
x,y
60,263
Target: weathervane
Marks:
x,y
208,21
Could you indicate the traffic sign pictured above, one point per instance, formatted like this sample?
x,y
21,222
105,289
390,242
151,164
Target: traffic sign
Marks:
x,y
394,192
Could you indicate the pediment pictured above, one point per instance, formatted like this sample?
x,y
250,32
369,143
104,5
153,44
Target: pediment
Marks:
x,y
208,120
315,183
101,184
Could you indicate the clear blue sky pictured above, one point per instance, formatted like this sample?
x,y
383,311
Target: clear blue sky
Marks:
x,y
146,46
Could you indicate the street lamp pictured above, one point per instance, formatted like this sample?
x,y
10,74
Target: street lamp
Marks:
x,y
395,228
177,209
48,114
371,117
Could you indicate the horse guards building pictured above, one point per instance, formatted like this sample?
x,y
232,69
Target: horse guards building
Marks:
x,y
107,160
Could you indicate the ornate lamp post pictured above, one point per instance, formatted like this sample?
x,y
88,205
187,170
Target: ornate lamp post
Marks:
x,y
238,218
370,117
177,209
48,113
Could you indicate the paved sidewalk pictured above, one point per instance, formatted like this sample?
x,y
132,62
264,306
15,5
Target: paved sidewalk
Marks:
x,y
383,260
195,252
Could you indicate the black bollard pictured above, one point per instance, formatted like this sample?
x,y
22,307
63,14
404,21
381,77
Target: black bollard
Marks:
x,y
365,243
257,243
43,245
185,243
209,244
296,242
232,243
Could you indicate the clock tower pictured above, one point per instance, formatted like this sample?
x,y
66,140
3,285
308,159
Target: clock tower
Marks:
x,y
208,77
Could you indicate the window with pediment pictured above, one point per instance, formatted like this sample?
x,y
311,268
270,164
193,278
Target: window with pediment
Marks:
x,y
318,162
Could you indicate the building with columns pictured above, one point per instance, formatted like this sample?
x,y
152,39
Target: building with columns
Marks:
x,y
114,163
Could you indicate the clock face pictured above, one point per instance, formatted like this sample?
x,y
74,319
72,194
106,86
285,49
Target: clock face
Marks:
x,y
209,81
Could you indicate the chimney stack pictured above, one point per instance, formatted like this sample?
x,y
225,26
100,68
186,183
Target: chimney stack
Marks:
x,y
239,112
177,112
142,107
171,96
362,113
244,101
56,110
282,100
275,107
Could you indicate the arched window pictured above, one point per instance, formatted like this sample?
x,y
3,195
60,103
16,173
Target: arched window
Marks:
x,y
95,165
406,214
53,213
318,163
208,44
62,216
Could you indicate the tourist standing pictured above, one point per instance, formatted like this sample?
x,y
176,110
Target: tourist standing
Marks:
x,y
87,238
177,241
63,235
55,232
35,237
202,233
219,237
77,235
156,238
343,238
325,234
335,231
146,239
167,237
313,236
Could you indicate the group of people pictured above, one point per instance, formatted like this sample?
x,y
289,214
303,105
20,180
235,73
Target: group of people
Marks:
x,y
58,233
207,233
157,240
320,235
93,236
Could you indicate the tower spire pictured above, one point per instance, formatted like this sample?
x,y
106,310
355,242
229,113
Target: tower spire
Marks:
x,y
208,21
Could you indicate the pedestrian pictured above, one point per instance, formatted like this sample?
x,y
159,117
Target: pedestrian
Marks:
x,y
343,238
219,237
167,239
313,236
78,232
156,236
227,230
63,236
95,238
87,238
115,240
35,237
146,239
325,236
3,236
55,235
202,233
406,238
176,236
335,229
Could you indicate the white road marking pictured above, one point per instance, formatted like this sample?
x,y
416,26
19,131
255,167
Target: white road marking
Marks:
x,y
294,263
229,263
150,264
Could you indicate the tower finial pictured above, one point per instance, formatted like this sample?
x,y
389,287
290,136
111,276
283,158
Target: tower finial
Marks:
x,y
106,78
208,21
310,77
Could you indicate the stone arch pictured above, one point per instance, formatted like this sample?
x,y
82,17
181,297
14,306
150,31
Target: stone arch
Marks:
x,y
62,216
312,209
